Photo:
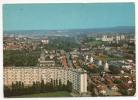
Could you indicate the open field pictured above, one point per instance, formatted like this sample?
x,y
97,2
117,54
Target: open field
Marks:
x,y
50,94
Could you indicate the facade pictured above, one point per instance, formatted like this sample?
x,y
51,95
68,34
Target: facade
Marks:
x,y
45,41
106,67
28,75
107,38
91,60
111,38
48,63
45,62
100,62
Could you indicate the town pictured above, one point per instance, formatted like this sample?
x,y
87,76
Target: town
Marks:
x,y
84,65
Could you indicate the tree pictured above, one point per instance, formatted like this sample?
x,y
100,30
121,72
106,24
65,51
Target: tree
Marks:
x,y
123,92
60,85
91,88
18,88
69,86
42,85
7,91
118,81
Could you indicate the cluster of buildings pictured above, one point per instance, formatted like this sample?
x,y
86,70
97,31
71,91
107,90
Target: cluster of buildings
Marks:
x,y
111,38
74,56
63,61
46,60
109,84
45,41
100,61
47,70
16,43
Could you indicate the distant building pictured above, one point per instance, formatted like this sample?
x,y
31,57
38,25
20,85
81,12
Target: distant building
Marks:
x,y
100,63
102,89
122,37
64,61
91,60
111,38
106,67
113,87
43,61
47,63
87,57
45,41
107,38
118,38
127,66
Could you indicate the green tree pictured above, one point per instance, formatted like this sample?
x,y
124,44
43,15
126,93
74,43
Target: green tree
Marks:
x,y
69,86
42,85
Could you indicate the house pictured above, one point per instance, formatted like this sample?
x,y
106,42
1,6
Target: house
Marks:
x,y
113,87
102,89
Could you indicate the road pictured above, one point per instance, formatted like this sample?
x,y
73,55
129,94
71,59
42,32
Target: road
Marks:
x,y
68,60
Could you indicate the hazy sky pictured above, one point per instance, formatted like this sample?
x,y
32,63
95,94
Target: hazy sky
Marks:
x,y
67,16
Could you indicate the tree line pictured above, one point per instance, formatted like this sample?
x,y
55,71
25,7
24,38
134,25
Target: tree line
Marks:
x,y
19,88
20,57
65,43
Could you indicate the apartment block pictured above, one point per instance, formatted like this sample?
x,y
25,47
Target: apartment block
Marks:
x,y
28,75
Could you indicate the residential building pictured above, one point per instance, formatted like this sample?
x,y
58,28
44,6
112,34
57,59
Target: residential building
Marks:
x,y
28,75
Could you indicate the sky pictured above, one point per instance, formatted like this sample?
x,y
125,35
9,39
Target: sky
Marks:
x,y
67,16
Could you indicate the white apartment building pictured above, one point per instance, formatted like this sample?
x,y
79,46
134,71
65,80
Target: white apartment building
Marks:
x,y
45,41
107,38
122,37
111,38
28,75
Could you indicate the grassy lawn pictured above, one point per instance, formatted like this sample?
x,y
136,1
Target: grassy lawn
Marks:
x,y
95,42
50,94
108,58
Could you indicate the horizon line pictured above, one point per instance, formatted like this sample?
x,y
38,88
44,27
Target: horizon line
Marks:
x,y
66,29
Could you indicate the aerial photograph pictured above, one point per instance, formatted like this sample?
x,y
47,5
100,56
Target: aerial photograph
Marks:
x,y
69,50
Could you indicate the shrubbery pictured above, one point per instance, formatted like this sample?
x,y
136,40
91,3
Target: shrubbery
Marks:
x,y
18,88
20,58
